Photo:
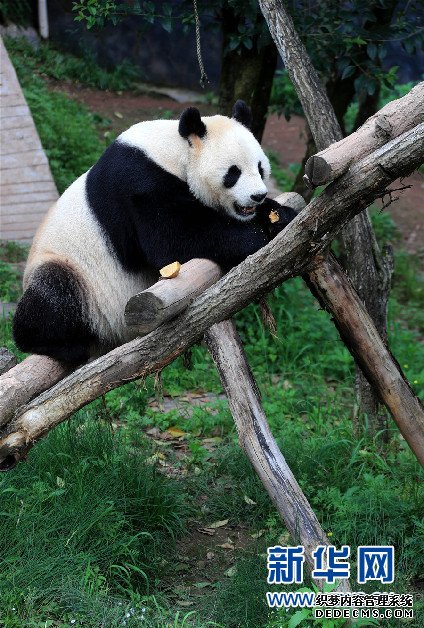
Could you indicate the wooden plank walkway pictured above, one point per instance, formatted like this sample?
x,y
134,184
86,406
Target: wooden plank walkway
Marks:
x,y
27,189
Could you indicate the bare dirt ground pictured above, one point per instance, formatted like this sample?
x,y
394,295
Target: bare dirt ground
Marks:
x,y
286,139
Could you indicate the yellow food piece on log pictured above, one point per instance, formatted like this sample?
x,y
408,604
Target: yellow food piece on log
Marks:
x,y
171,270
273,216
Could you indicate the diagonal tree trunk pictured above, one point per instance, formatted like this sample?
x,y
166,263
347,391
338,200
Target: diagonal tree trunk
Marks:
x,y
367,268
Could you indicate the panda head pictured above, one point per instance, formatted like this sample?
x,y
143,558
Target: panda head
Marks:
x,y
226,167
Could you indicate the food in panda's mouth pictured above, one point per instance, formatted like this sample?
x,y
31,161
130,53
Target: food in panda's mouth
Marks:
x,y
171,270
244,211
274,216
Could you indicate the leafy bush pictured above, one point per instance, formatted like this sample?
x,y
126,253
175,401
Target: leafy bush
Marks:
x,y
15,12
283,96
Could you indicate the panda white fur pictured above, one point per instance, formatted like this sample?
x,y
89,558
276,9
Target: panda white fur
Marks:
x,y
163,191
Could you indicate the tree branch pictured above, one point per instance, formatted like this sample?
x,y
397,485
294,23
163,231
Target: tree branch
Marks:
x,y
395,118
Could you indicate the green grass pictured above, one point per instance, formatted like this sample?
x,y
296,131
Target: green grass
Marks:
x,y
284,177
78,548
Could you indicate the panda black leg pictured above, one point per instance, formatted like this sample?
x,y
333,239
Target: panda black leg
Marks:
x,y
49,318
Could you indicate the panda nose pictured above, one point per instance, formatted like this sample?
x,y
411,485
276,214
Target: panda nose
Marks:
x,y
257,197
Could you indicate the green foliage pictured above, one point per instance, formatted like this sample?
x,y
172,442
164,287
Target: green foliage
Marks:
x,y
47,61
284,177
352,39
387,94
96,13
15,12
13,252
283,96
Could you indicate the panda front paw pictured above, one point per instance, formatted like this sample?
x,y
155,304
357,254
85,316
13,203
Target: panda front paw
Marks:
x,y
274,217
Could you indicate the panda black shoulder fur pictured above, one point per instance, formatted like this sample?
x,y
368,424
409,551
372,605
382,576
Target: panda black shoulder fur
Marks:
x,y
163,191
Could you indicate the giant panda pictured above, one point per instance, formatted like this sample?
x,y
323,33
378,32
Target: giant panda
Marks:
x,y
163,191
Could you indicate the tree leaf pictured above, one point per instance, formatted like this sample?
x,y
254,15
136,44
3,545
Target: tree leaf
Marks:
x,y
348,71
298,617
372,51
175,431
218,524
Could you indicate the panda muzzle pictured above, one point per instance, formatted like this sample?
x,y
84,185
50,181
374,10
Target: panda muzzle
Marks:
x,y
244,211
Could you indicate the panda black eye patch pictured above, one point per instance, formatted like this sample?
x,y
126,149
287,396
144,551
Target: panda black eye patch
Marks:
x,y
261,170
232,176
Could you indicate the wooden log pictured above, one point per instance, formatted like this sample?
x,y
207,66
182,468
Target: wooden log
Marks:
x,y
395,118
25,380
7,360
257,440
291,199
168,297
287,255
335,293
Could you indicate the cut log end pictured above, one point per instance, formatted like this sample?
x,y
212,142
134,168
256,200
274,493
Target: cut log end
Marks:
x,y
317,170
291,199
144,310
12,450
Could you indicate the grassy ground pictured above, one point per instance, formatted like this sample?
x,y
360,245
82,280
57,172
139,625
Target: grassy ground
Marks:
x,y
103,524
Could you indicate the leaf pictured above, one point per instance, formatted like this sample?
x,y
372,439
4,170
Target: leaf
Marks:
x,y
257,535
372,51
182,567
166,24
175,431
228,546
118,114
249,501
382,52
348,71
231,572
358,40
371,86
298,617
202,585
218,524
207,531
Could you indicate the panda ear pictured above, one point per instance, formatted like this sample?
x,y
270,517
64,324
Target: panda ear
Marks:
x,y
191,123
242,113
